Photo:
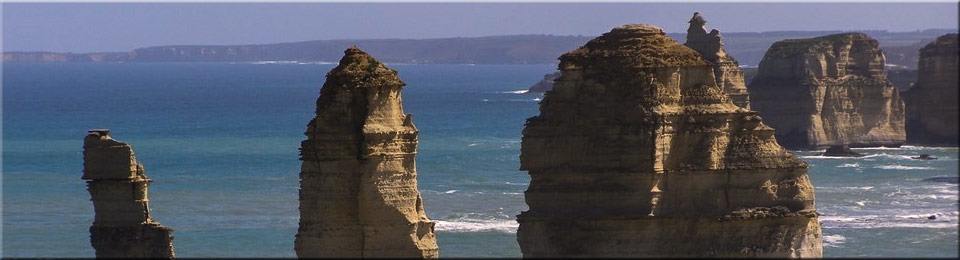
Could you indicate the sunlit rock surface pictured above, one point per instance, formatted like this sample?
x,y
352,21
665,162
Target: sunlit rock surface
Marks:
x,y
117,182
830,90
726,70
358,181
637,152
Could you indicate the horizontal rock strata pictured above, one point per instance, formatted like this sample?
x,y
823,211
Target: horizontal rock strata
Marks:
x,y
117,182
829,90
358,181
932,110
637,152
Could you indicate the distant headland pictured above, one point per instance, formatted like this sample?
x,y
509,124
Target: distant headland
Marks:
x,y
900,47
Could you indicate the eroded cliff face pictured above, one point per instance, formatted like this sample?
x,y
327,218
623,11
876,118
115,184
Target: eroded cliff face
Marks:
x,y
829,90
726,70
638,152
932,109
117,182
358,185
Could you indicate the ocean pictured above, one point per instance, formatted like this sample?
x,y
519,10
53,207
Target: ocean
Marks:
x,y
220,141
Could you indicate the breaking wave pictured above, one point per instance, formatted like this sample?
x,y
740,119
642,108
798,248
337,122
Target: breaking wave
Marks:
x,y
903,167
477,225
833,240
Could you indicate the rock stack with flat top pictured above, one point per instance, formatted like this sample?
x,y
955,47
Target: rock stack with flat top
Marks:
x,y
122,226
637,152
358,180
830,90
932,103
726,69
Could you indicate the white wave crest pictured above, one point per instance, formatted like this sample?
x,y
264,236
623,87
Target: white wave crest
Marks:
x,y
903,167
889,156
478,225
833,240
943,220
828,157
522,91
849,165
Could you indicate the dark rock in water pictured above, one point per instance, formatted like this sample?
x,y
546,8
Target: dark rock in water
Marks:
x,y
546,84
841,150
954,180
932,217
924,157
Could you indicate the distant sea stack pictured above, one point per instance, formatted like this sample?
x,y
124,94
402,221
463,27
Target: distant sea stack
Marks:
x,y
932,109
637,152
725,69
829,90
358,181
545,84
122,226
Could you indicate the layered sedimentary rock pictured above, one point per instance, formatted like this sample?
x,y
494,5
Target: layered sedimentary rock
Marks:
x,y
932,109
122,226
358,180
637,152
726,70
830,90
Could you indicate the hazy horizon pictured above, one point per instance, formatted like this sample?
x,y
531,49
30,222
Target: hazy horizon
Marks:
x,y
105,27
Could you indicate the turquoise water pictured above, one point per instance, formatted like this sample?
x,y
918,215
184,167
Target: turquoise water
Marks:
x,y
220,142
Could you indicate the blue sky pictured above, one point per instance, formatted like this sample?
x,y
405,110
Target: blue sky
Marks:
x,y
121,27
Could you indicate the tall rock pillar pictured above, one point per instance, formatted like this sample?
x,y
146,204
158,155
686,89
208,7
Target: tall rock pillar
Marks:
x,y
932,107
637,152
726,69
122,226
358,180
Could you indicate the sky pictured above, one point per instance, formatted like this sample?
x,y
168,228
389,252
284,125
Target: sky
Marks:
x,y
91,27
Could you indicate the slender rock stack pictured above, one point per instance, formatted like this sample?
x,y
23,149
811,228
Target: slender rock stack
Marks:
x,y
637,152
932,108
830,90
726,69
118,185
358,181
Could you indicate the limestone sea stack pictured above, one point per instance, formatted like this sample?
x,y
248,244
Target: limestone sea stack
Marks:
x,y
122,226
637,152
726,69
358,180
932,109
830,90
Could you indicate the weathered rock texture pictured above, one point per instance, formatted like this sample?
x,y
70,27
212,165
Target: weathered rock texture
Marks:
x,y
826,91
637,152
932,109
122,226
358,181
726,70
